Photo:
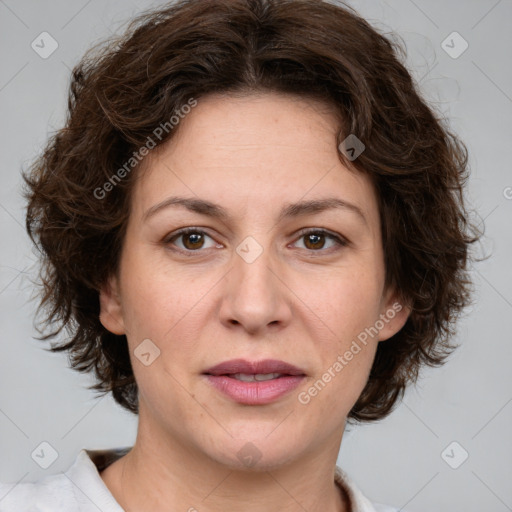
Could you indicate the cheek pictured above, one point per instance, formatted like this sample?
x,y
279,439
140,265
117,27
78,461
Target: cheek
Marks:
x,y
154,299
348,310
166,309
348,302
345,362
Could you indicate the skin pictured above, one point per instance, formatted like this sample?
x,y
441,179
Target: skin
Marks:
x,y
302,301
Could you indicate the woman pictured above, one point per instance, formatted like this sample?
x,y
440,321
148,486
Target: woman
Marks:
x,y
253,228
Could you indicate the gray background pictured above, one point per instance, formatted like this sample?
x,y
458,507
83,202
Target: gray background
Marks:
x,y
397,461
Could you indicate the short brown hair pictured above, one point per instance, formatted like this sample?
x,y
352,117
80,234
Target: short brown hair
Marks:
x,y
122,91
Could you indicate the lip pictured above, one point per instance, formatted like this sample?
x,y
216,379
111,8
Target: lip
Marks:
x,y
257,392
264,366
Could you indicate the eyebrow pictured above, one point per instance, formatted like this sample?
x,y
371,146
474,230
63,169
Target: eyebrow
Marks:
x,y
290,210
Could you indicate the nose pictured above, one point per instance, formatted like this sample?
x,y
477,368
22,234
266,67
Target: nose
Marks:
x,y
255,294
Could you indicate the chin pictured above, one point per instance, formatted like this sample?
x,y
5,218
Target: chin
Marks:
x,y
257,450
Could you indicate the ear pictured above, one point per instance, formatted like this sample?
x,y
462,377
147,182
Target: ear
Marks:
x,y
111,312
394,314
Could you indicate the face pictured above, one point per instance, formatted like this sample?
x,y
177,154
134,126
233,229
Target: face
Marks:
x,y
283,261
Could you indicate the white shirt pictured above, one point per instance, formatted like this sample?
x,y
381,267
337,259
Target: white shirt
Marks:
x,y
81,489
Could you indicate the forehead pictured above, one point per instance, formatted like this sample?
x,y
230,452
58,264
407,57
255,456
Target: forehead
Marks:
x,y
252,154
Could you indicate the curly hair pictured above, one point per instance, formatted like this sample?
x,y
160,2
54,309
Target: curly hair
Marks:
x,y
127,86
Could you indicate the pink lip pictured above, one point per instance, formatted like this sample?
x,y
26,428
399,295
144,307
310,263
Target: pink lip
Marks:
x,y
254,393
243,366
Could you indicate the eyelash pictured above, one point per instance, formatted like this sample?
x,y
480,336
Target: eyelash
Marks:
x,y
340,241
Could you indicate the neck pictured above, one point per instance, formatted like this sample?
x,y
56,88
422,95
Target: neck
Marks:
x,y
172,476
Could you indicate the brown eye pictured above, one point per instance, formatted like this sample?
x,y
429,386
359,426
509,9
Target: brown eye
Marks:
x,y
194,240
189,240
315,240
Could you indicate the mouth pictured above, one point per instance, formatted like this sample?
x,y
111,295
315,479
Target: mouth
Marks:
x,y
257,377
254,383
256,368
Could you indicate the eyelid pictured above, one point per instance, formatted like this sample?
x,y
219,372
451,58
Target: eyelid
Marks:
x,y
184,231
340,240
